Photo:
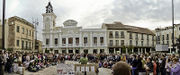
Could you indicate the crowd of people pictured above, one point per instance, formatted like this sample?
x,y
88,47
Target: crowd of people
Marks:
x,y
140,64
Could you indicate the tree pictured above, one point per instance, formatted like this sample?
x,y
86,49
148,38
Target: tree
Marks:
x,y
123,49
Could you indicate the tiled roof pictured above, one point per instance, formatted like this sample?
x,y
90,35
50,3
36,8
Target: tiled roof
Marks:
x,y
21,20
120,26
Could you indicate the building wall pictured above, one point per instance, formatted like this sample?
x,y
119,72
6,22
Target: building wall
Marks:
x,y
167,34
21,35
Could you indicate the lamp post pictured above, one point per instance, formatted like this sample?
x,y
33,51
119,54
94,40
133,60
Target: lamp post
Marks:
x,y
173,24
3,25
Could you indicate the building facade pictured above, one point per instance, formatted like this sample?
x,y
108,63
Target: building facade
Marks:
x,y
164,37
128,39
70,38
21,34
38,46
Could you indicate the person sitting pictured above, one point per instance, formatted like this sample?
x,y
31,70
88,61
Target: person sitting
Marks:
x,y
31,67
121,68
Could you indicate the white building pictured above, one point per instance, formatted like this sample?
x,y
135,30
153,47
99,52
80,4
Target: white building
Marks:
x,y
70,38
164,36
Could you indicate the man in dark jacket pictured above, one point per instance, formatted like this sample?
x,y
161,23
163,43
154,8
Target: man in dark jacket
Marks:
x,y
134,65
1,64
162,66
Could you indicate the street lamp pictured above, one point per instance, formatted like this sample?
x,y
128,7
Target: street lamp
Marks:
x,y
3,25
173,24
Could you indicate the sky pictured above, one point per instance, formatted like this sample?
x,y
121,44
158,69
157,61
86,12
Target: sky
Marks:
x,y
92,13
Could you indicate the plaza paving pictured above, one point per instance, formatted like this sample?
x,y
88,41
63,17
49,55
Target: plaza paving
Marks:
x,y
52,70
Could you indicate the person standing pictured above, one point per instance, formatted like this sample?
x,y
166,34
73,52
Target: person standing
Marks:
x,y
83,60
1,64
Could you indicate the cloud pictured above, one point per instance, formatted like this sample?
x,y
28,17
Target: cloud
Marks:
x,y
92,13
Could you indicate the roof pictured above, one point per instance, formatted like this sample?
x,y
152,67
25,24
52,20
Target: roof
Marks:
x,y
21,20
120,26
166,28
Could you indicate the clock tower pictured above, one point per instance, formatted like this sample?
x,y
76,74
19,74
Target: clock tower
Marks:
x,y
49,18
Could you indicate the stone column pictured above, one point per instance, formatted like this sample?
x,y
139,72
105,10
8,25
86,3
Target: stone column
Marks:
x,y
126,50
67,42
120,50
74,41
170,50
141,50
91,39
138,50
132,50
150,50
145,50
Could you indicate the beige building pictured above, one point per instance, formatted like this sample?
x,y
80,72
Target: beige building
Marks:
x,y
21,34
126,39
38,46
164,36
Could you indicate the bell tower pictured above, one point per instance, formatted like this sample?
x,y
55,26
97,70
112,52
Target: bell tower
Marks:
x,y
49,18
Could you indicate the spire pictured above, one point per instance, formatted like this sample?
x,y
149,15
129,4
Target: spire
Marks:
x,y
49,8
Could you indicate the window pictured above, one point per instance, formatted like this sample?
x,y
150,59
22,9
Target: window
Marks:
x,y
56,41
142,37
17,29
122,34
168,43
117,34
136,36
130,36
162,37
117,42
23,30
63,40
27,32
22,44
17,43
70,40
142,43
167,37
47,41
29,45
110,34
85,40
111,42
122,42
77,41
152,38
147,37
26,44
95,40
101,40
130,42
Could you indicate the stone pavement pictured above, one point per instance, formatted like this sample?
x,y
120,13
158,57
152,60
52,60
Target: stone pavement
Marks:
x,y
52,71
